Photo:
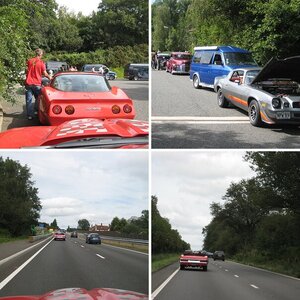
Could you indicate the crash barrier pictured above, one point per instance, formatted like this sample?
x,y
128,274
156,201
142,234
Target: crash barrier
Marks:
x,y
33,238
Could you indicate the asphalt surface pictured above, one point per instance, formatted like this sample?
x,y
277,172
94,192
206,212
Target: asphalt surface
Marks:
x,y
73,263
15,115
184,117
226,281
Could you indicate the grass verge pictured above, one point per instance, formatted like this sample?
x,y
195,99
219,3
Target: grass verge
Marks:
x,y
131,246
6,238
162,260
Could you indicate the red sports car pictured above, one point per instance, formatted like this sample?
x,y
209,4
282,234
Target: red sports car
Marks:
x,y
76,95
82,133
194,259
59,235
179,63
79,294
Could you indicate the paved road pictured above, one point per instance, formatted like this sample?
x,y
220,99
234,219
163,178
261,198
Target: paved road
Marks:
x,y
15,116
183,117
228,281
75,264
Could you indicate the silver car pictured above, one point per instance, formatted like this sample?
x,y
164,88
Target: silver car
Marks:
x,y
270,95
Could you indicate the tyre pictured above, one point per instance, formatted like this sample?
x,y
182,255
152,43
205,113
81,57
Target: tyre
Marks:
x,y
196,82
254,114
205,268
112,77
136,78
182,267
222,101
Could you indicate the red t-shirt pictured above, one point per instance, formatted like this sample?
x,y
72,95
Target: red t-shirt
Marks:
x,y
35,70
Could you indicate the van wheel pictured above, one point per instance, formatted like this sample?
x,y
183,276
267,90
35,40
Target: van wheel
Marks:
x,y
222,101
254,114
196,82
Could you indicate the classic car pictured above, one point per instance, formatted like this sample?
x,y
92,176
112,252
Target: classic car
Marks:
x,y
110,75
162,59
82,133
93,238
59,235
270,95
179,63
193,259
76,95
80,294
136,71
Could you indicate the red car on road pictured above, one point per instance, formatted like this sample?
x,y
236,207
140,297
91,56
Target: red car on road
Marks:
x,y
193,259
59,235
179,63
77,95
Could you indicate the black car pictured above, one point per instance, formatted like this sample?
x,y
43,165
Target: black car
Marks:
x,y
93,238
74,234
219,255
136,71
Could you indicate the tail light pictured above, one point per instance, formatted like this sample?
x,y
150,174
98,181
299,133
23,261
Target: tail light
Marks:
x,y
70,110
127,109
116,109
56,109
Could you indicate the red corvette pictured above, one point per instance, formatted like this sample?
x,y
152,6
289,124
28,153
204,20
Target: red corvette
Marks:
x,y
194,259
82,133
59,235
79,294
179,63
76,95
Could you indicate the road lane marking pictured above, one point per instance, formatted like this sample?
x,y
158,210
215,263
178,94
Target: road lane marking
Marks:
x,y
237,276
254,286
226,270
134,251
13,274
201,120
160,288
81,246
100,256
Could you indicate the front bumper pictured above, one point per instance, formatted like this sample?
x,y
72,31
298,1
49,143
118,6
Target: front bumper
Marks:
x,y
280,116
181,69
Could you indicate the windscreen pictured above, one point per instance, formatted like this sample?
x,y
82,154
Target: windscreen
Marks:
x,y
239,58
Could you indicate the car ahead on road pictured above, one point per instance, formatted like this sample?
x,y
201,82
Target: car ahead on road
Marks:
x,y
93,238
209,62
136,71
193,259
270,95
80,134
110,75
219,255
80,294
179,63
59,235
76,95
74,234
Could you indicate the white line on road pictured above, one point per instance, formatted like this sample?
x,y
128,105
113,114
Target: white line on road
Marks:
x,y
160,288
125,249
201,120
13,274
100,256
237,276
81,246
254,286
226,270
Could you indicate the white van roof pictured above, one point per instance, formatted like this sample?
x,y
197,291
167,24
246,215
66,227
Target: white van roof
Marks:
x,y
206,48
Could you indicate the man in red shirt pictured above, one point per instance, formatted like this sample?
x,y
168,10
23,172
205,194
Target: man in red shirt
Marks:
x,y
33,83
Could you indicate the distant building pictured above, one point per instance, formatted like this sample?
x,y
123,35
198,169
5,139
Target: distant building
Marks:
x,y
100,228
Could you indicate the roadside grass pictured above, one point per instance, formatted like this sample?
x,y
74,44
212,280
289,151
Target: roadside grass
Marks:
x,y
162,260
119,71
5,238
131,246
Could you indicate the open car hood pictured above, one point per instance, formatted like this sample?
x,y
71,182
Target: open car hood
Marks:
x,y
83,294
280,68
81,129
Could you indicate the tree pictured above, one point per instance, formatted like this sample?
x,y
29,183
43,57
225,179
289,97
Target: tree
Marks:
x,y
83,224
54,224
19,201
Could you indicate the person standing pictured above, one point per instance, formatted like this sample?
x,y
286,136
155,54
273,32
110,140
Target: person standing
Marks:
x,y
35,70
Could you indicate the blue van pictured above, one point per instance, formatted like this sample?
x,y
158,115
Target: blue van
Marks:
x,y
209,62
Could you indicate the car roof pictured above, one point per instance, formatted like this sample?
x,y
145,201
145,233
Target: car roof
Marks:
x,y
222,49
183,52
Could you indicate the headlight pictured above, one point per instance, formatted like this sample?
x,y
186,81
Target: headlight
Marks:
x,y
276,103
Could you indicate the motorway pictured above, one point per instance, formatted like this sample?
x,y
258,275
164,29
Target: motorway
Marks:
x,y
15,115
226,281
73,263
184,117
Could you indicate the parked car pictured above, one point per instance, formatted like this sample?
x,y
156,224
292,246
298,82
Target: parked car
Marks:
x,y
110,75
162,58
56,66
210,62
219,255
76,95
179,63
193,259
136,71
93,238
74,234
270,95
82,133
59,235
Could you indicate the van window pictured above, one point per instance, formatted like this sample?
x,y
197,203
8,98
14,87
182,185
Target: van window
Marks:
x,y
197,57
238,58
206,57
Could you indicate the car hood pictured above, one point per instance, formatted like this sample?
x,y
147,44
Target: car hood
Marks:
x,y
71,130
280,68
83,294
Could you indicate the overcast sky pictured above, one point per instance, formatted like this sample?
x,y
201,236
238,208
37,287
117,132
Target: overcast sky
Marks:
x,y
186,182
96,185
76,6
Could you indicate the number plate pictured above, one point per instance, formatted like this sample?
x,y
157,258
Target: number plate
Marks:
x,y
283,115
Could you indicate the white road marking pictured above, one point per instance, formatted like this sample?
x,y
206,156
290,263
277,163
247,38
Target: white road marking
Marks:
x,y
237,276
81,246
160,288
100,256
201,120
13,274
226,270
254,286
106,245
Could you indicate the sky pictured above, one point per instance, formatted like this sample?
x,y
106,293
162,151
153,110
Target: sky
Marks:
x,y
76,6
187,182
96,185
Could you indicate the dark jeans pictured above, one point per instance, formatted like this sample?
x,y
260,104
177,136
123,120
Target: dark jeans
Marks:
x,y
32,90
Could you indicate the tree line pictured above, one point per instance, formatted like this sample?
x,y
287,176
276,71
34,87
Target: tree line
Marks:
x,y
260,218
165,239
266,27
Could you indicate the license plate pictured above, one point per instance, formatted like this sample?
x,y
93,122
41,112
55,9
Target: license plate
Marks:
x,y
194,261
283,115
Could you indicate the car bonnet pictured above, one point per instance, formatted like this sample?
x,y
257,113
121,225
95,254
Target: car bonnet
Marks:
x,y
280,68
